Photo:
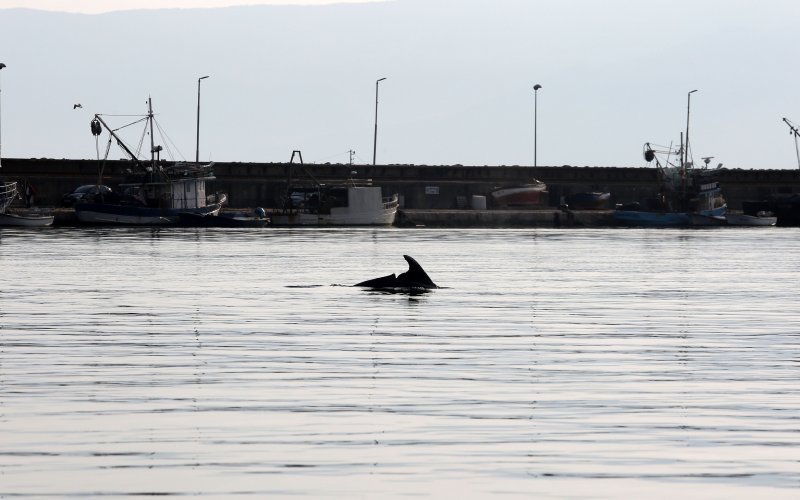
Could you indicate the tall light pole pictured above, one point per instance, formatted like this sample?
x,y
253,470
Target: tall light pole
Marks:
x,y
686,151
375,137
1,115
535,120
197,151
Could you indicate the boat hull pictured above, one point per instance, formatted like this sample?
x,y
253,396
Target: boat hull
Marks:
x,y
15,220
651,219
529,195
125,215
211,220
670,219
750,220
588,201
703,220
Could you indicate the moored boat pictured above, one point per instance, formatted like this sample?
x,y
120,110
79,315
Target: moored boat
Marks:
x,y
156,192
687,195
225,219
760,219
532,194
8,193
337,206
26,220
590,200
318,204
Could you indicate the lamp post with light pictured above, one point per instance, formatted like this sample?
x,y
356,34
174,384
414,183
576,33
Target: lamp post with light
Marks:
x,y
197,151
688,104
1,113
375,137
535,122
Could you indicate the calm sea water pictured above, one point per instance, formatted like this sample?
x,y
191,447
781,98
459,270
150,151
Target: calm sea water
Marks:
x,y
602,363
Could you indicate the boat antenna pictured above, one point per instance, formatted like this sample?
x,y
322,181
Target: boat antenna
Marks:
x,y
795,133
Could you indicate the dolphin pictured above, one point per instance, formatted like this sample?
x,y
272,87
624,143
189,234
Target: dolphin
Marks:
x,y
414,278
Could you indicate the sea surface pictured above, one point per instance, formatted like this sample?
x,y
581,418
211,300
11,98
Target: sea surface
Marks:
x,y
230,363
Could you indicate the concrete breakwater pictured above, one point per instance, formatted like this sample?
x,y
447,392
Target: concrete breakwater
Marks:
x,y
421,187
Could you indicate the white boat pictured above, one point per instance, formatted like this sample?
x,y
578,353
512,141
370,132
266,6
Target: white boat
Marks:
x,y
760,219
8,192
156,193
25,220
532,194
337,206
317,204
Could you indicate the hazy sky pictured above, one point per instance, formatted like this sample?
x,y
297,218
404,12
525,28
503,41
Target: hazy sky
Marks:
x,y
101,6
614,74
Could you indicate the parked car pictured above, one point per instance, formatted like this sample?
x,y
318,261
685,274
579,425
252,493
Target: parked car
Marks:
x,y
88,190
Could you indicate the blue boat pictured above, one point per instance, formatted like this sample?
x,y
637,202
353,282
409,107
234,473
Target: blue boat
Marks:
x,y
687,195
590,200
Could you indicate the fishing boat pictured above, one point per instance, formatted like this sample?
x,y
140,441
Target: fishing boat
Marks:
x,y
156,192
349,204
8,193
532,194
687,195
337,206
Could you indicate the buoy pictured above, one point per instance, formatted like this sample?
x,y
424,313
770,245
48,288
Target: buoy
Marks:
x,y
96,128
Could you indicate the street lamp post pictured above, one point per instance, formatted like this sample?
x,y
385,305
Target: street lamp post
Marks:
x,y
197,151
375,137
688,103
535,120
1,114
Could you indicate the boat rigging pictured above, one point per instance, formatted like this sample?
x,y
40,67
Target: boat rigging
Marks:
x,y
795,132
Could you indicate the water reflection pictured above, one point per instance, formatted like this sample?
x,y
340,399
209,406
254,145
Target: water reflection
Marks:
x,y
223,363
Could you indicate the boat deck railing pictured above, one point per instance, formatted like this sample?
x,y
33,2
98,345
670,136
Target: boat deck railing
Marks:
x,y
390,202
8,192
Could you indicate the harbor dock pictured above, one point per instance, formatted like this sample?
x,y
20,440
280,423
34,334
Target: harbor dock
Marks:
x,y
544,217
429,195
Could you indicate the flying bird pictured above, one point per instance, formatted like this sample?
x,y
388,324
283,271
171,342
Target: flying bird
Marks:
x,y
76,106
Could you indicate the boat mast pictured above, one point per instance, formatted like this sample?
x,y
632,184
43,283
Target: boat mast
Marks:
x,y
152,143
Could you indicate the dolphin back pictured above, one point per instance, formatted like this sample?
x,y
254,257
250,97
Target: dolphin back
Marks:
x,y
382,282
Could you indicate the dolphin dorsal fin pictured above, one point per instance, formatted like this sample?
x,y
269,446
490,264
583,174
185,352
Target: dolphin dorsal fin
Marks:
x,y
416,274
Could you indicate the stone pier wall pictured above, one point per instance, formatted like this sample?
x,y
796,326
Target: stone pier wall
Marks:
x,y
420,186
